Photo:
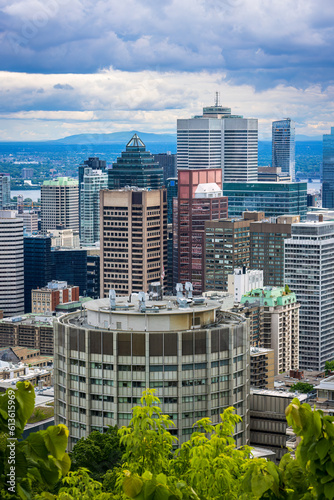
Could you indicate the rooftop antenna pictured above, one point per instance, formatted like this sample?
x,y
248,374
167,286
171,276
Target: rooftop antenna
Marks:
x,y
217,99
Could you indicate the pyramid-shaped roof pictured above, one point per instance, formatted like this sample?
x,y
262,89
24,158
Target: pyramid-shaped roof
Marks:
x,y
135,142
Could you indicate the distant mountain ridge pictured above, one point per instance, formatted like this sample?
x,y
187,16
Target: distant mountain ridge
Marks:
x,y
115,138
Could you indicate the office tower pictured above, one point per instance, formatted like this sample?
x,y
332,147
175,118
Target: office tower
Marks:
x,y
11,264
133,239
226,247
60,204
70,265
273,198
125,347
4,191
44,300
267,247
262,368
93,275
309,264
135,167
218,139
30,331
167,162
95,164
199,200
92,183
283,146
244,280
280,324
37,265
30,221
172,190
328,170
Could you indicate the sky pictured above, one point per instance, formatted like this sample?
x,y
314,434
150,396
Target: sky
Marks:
x,y
82,66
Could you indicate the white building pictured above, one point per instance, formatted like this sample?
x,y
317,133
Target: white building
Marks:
x,y
218,139
309,271
93,182
11,264
30,221
244,280
60,204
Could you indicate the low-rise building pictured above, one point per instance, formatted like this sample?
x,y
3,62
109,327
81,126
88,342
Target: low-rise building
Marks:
x,y
29,330
44,300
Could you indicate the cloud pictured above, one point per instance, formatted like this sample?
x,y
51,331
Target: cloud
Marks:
x,y
253,41
115,100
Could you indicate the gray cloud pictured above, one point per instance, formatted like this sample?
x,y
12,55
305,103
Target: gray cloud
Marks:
x,y
253,41
61,86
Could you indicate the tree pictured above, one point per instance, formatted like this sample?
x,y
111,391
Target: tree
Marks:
x,y
329,366
41,459
98,452
302,387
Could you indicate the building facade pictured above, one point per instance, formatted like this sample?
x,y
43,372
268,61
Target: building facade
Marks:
x,y
30,330
92,183
103,366
133,239
280,324
4,191
167,162
283,146
60,204
328,170
262,368
244,280
309,271
11,264
37,265
218,139
136,167
71,266
199,200
273,198
44,300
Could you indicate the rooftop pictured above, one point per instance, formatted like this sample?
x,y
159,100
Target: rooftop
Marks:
x,y
62,181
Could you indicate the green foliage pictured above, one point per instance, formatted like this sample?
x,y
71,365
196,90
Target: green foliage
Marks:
x,y
302,387
41,459
329,366
287,289
98,452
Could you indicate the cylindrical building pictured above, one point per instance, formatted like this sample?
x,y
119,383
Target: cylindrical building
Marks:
x,y
193,354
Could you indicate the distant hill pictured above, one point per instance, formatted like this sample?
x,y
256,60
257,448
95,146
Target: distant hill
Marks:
x,y
115,138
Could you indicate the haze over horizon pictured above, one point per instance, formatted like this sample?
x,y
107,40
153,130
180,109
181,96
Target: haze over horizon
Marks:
x,y
85,67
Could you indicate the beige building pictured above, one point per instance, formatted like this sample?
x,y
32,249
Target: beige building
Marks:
x,y
60,204
133,239
262,368
30,330
280,324
195,356
64,238
44,300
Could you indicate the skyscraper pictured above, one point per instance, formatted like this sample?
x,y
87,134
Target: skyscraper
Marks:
x,y
135,167
4,190
92,183
199,200
37,265
309,271
218,139
11,264
283,146
94,163
60,204
133,238
328,170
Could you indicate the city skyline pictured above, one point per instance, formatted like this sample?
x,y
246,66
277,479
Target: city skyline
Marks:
x,y
74,68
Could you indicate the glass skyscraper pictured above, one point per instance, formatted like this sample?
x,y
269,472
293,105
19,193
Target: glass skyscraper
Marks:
x,y
93,182
283,146
328,170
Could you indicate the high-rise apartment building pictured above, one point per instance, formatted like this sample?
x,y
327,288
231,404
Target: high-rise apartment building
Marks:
x,y
309,271
133,239
11,264
280,324
218,139
273,198
283,146
37,265
199,200
4,191
226,247
92,183
267,247
60,204
107,357
136,167
328,170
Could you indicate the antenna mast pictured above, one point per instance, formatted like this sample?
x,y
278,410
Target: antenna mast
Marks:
x,y
217,99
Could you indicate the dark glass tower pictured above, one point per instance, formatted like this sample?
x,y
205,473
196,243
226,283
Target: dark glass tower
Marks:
x,y
135,167
37,265
328,170
71,266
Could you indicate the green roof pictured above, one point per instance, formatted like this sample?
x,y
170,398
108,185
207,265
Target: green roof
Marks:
x,y
62,181
269,296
